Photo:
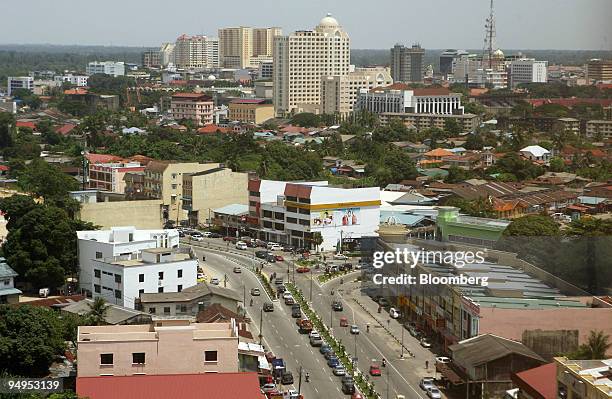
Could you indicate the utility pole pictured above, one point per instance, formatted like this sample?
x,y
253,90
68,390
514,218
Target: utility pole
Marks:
x,y
300,382
311,285
402,353
331,316
388,383
260,325
244,298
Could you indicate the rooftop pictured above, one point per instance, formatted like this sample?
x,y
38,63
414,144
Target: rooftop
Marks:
x,y
190,294
233,210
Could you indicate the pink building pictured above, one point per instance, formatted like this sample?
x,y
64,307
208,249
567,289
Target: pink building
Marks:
x,y
109,176
194,106
164,347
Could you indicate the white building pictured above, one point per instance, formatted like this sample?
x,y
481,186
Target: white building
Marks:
x,y
400,98
302,59
19,82
106,67
528,70
536,153
126,242
293,212
339,93
75,80
121,280
166,54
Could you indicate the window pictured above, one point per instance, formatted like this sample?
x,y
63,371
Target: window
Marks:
x,y
179,288
118,294
118,278
210,356
179,273
97,288
106,359
140,291
97,273
167,310
98,255
183,308
152,310
141,278
131,237
138,358
160,290
160,275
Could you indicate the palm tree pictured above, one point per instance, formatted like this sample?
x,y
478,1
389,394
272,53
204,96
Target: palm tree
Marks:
x,y
596,347
97,311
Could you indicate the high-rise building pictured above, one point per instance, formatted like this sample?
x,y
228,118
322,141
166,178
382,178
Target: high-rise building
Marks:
x,y
151,58
107,68
528,70
302,59
166,54
599,70
407,63
447,58
246,47
196,52
339,93
19,82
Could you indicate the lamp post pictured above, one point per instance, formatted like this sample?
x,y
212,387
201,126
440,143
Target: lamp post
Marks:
x,y
311,285
402,344
260,325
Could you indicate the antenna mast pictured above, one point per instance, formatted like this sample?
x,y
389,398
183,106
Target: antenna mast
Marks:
x,y
489,36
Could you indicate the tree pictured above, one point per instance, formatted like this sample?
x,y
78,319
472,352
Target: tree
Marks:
x,y
7,129
474,142
557,165
590,227
532,225
31,337
46,181
595,348
97,311
457,175
452,127
306,119
317,239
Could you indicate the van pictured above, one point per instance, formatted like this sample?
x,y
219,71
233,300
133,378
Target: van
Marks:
x,y
296,311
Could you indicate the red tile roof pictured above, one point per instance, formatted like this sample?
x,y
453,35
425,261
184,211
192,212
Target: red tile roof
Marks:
x,y
248,101
208,129
65,129
56,301
102,158
432,91
570,102
539,382
79,91
191,96
184,386
217,313
28,124
4,168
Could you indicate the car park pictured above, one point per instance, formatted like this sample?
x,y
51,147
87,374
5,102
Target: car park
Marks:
x,y
426,383
339,370
241,245
394,313
215,281
354,329
268,307
237,269
337,306
434,393
340,256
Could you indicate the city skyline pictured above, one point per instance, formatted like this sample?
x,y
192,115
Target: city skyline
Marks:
x,y
546,24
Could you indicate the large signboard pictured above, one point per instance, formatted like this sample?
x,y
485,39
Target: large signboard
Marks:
x,y
335,217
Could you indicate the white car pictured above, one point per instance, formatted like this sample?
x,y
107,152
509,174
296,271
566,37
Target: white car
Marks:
x,y
339,370
215,281
426,383
287,294
340,256
354,329
207,234
241,245
292,394
434,393
271,244
425,343
443,360
276,247
314,334
197,237
268,387
394,313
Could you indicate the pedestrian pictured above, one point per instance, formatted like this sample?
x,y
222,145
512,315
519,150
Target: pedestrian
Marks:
x,y
426,364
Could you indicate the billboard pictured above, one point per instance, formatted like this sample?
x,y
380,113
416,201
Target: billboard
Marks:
x,y
335,217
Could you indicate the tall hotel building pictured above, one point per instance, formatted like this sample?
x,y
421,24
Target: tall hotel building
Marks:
x,y
196,52
246,47
302,59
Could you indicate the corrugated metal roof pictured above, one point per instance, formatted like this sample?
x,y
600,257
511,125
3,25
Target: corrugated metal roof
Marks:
x,y
233,209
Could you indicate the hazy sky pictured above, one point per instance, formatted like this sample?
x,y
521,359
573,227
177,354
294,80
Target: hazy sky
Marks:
x,y
521,24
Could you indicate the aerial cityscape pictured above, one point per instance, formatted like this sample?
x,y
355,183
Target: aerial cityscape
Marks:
x,y
238,201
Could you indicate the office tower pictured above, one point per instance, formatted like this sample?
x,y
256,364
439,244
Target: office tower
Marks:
x,y
106,67
407,63
19,82
446,60
302,59
235,47
599,70
151,58
263,41
528,70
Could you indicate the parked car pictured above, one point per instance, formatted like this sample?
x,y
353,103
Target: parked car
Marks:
x,y
383,302
261,243
354,329
197,237
329,354
340,256
296,312
271,244
357,395
292,394
278,281
269,387
324,349
434,393
289,301
261,254
268,307
230,239
333,361
348,388
302,269
255,292
207,234
279,258
443,360
215,281
275,247
288,248
237,269
394,313
287,294
375,370
215,235
425,343
426,383
287,378
181,233
241,245
337,306
339,370
281,289
316,340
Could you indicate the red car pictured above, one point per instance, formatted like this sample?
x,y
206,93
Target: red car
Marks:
x,y
231,239
357,396
375,370
302,269
279,258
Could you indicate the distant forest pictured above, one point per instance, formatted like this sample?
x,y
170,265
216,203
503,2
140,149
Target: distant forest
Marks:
x,y
21,59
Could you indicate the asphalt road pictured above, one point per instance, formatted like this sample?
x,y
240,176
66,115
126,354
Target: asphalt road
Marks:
x,y
400,376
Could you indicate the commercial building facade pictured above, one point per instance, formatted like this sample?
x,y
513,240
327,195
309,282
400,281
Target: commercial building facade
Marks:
x,y
19,82
106,68
400,98
339,93
246,47
192,106
599,70
469,122
196,52
302,59
407,63
109,176
250,110
164,347
115,242
151,59
211,189
75,80
528,70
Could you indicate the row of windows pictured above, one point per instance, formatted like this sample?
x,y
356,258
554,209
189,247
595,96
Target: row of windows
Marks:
x,y
107,359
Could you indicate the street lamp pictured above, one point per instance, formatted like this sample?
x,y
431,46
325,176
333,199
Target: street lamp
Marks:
x,y
311,285
260,325
402,344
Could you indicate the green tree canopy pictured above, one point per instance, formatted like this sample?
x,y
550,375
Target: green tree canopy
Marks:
x,y
533,225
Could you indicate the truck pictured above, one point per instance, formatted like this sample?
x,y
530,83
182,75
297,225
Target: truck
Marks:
x,y
278,367
305,326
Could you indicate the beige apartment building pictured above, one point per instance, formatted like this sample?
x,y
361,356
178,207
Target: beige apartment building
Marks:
x,y
246,47
302,59
250,110
584,379
194,106
211,189
164,180
197,52
599,128
163,347
339,93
